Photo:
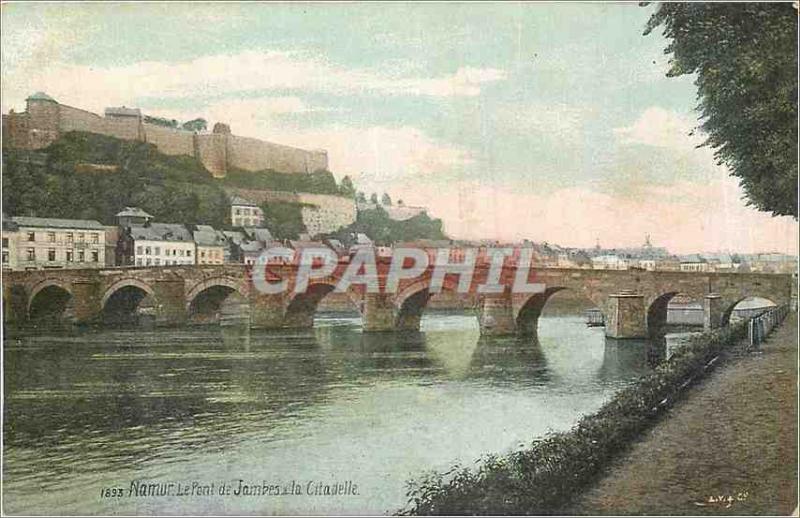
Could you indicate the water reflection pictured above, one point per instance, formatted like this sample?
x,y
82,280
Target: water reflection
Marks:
x,y
105,406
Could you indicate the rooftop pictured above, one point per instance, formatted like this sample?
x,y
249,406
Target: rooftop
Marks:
x,y
209,238
162,232
27,221
133,212
238,200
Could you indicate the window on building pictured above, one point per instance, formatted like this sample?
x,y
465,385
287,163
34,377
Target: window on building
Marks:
x,y
138,262
202,253
95,256
180,253
95,238
81,256
81,237
139,250
31,236
5,242
51,237
51,254
158,261
237,212
5,257
31,254
149,261
147,251
69,256
174,252
70,237
188,253
158,250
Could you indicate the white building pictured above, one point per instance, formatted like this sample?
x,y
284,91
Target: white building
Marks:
x,y
58,243
161,244
693,263
610,262
245,213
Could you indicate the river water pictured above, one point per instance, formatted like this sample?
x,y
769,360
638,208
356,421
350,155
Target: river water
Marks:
x,y
206,408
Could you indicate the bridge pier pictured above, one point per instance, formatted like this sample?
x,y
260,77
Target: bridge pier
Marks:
x,y
626,316
712,311
379,313
496,315
266,311
85,306
171,302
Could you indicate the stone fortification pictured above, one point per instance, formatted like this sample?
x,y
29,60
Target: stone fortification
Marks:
x,y
44,120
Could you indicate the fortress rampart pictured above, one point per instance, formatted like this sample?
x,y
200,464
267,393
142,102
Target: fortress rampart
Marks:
x,y
44,120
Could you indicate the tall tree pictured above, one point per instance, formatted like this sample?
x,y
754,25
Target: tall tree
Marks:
x,y
386,199
374,198
346,187
744,56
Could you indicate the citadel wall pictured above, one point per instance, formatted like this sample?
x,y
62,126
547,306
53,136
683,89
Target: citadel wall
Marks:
x,y
45,120
170,141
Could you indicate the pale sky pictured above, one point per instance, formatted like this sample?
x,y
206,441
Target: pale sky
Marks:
x,y
551,122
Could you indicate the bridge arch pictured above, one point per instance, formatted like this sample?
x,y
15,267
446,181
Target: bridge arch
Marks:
x,y
301,307
123,300
730,306
206,300
49,300
527,313
411,301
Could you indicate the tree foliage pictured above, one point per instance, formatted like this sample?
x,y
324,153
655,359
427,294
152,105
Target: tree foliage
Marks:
x,y
347,188
319,182
383,230
283,219
744,56
49,183
386,199
198,124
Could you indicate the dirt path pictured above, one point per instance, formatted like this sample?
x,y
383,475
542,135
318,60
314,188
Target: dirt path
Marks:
x,y
735,435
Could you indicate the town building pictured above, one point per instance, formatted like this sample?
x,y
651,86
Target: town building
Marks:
x,y
693,263
59,243
211,245
245,213
610,262
157,244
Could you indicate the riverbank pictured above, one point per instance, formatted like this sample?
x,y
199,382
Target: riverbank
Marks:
x,y
734,435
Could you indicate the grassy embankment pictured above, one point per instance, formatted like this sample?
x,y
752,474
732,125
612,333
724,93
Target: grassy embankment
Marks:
x,y
542,478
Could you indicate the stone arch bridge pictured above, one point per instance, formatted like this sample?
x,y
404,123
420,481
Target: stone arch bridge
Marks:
x,y
634,302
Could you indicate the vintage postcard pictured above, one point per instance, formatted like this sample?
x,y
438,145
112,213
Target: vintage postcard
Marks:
x,y
399,258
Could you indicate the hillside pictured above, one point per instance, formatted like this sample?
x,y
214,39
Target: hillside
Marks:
x,y
91,176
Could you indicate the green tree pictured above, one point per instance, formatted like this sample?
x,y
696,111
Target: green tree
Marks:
x,y
386,200
346,187
283,219
198,124
361,197
374,198
744,56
